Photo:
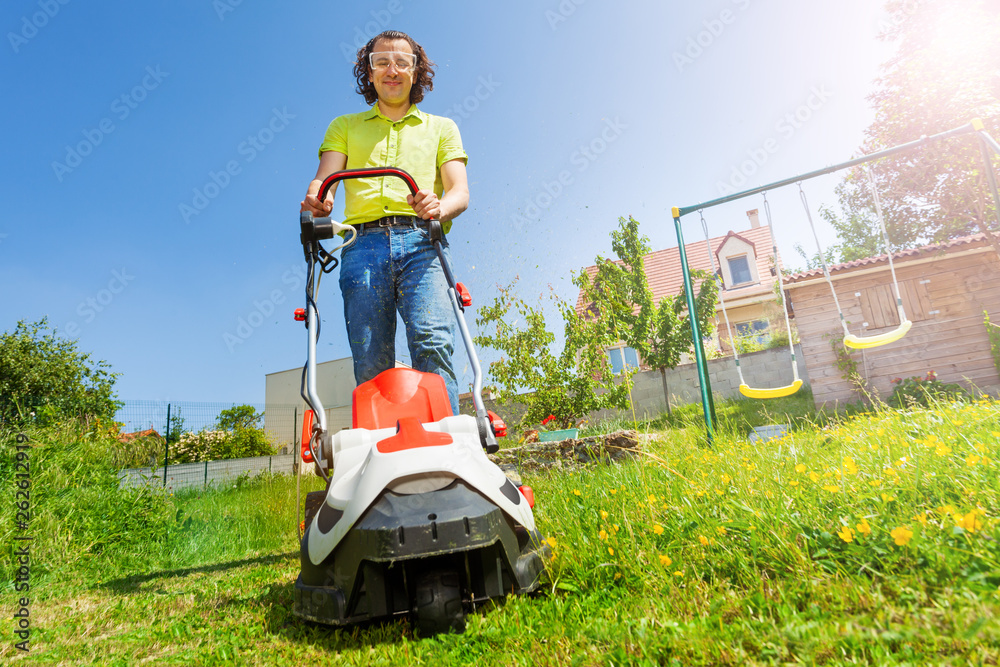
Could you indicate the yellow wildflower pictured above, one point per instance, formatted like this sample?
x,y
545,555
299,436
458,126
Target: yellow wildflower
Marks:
x,y
972,460
612,491
604,515
726,478
921,517
942,450
665,560
849,466
603,534
793,483
651,499
901,535
970,522
678,573
658,529
864,528
703,540
846,534
576,492
721,530
814,477
800,468
611,551
886,498
615,526
831,488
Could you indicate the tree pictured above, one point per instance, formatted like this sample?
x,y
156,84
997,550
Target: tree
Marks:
x,y
619,292
576,381
239,416
945,71
47,375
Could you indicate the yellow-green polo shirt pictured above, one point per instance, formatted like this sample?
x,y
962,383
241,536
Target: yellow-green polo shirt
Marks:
x,y
419,143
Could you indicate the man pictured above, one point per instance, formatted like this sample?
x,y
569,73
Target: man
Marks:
x,y
392,264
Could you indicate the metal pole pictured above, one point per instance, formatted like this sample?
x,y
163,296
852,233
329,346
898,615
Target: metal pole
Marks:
x,y
970,127
707,404
991,177
166,448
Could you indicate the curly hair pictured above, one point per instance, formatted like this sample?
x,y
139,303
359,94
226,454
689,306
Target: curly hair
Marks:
x,y
423,78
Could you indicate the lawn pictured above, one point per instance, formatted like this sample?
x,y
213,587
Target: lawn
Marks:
x,y
867,539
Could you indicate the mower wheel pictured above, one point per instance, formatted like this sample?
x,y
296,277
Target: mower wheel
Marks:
x,y
437,603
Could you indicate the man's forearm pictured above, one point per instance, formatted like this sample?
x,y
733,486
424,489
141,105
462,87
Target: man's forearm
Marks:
x,y
453,204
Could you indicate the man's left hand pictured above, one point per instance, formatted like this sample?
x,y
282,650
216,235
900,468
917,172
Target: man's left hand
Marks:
x,y
426,204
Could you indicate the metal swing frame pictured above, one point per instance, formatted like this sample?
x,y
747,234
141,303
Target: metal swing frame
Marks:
x,y
986,144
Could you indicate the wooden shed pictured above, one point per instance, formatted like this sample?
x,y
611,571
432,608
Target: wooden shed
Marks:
x,y
945,289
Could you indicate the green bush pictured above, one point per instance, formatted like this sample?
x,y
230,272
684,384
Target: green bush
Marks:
x,y
919,391
45,379
218,445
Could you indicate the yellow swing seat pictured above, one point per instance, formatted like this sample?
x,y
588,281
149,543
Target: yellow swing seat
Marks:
x,y
777,392
865,342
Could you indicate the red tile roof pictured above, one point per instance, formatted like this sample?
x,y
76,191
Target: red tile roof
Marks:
x,y
922,251
663,267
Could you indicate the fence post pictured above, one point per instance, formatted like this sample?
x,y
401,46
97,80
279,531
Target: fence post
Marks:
x,y
205,483
295,435
166,448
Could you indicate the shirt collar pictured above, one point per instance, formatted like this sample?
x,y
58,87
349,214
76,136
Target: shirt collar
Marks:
x,y
412,111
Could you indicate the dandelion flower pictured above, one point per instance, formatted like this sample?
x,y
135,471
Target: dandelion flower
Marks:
x,y
972,460
612,491
703,540
576,492
603,534
846,534
901,535
942,450
800,468
551,541
678,573
611,551
971,522
721,530
849,466
658,529
604,515
665,560
864,528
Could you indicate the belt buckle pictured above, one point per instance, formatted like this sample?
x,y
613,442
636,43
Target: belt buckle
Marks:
x,y
387,221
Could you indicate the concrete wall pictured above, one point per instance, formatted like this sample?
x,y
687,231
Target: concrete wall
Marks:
x,y
769,368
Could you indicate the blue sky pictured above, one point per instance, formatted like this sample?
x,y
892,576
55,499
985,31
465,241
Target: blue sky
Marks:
x,y
156,153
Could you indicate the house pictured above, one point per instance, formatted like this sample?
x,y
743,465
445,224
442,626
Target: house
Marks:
x,y
945,288
746,261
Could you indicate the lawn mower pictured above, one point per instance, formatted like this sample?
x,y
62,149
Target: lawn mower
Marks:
x,y
415,519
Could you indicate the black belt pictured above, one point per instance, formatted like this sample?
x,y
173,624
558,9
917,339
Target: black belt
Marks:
x,y
393,221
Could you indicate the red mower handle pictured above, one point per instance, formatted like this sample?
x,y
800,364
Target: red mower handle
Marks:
x,y
367,172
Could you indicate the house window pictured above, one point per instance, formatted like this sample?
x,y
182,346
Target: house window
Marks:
x,y
878,303
621,358
739,269
758,330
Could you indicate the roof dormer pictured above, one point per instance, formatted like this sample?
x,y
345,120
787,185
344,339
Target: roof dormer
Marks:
x,y
737,257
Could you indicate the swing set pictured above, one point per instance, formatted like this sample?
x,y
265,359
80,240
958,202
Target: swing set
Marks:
x,y
851,340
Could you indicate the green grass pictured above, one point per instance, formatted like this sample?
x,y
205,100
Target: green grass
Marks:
x,y
734,554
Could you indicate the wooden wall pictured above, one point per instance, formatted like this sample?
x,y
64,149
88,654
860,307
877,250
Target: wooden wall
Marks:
x,y
943,295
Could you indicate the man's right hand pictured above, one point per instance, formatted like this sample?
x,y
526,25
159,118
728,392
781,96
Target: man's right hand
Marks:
x,y
312,203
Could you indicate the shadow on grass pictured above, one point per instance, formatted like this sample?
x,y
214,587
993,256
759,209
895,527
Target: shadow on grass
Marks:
x,y
132,582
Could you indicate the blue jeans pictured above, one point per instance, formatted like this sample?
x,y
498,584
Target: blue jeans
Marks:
x,y
396,268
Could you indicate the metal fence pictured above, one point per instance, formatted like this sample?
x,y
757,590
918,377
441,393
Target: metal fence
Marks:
x,y
207,473
280,422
